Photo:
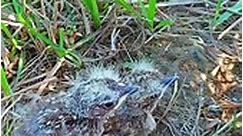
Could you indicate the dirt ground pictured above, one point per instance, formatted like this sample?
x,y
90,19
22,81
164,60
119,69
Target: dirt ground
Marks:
x,y
207,99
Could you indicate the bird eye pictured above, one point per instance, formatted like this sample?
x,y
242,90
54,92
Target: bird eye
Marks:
x,y
108,105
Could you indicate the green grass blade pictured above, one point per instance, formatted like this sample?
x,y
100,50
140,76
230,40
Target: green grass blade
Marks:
x,y
9,35
151,12
73,58
127,6
61,37
219,8
164,24
20,71
18,8
20,12
237,8
58,49
92,6
143,9
4,83
21,63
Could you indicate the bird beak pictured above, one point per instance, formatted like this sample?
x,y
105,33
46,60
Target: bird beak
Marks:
x,y
165,83
128,90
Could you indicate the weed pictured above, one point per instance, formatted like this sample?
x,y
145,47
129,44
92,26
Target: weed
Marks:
x,y
151,13
14,42
4,83
220,18
60,50
147,13
127,7
92,6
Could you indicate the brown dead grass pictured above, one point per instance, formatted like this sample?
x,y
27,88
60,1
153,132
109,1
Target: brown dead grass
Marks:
x,y
208,92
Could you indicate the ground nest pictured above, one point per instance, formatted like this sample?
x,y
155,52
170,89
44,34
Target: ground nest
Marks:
x,y
206,100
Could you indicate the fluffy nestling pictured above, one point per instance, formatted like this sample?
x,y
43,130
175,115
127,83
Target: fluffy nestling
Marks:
x,y
152,86
93,97
144,74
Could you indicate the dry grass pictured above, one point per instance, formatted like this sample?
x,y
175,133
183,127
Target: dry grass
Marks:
x,y
207,60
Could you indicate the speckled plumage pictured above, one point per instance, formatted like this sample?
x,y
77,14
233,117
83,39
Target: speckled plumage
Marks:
x,y
100,103
82,111
144,74
151,84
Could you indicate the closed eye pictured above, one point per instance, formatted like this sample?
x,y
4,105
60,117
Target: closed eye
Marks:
x,y
108,105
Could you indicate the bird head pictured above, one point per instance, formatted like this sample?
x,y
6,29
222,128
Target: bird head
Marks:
x,y
144,73
101,93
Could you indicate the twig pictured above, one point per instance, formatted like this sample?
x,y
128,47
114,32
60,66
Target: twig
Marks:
x,y
114,36
9,107
29,65
51,74
165,87
198,112
153,36
227,124
127,52
30,87
170,127
43,8
17,30
229,28
163,14
11,23
109,11
101,33
35,11
86,39
86,21
172,98
32,79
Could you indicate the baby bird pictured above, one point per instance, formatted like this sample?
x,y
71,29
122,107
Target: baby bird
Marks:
x,y
152,83
140,106
93,99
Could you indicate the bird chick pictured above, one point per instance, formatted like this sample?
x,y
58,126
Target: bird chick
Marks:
x,y
83,111
152,86
143,73
102,91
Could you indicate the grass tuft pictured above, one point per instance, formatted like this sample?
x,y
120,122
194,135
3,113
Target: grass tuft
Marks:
x,y
151,13
146,13
60,50
92,6
220,18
